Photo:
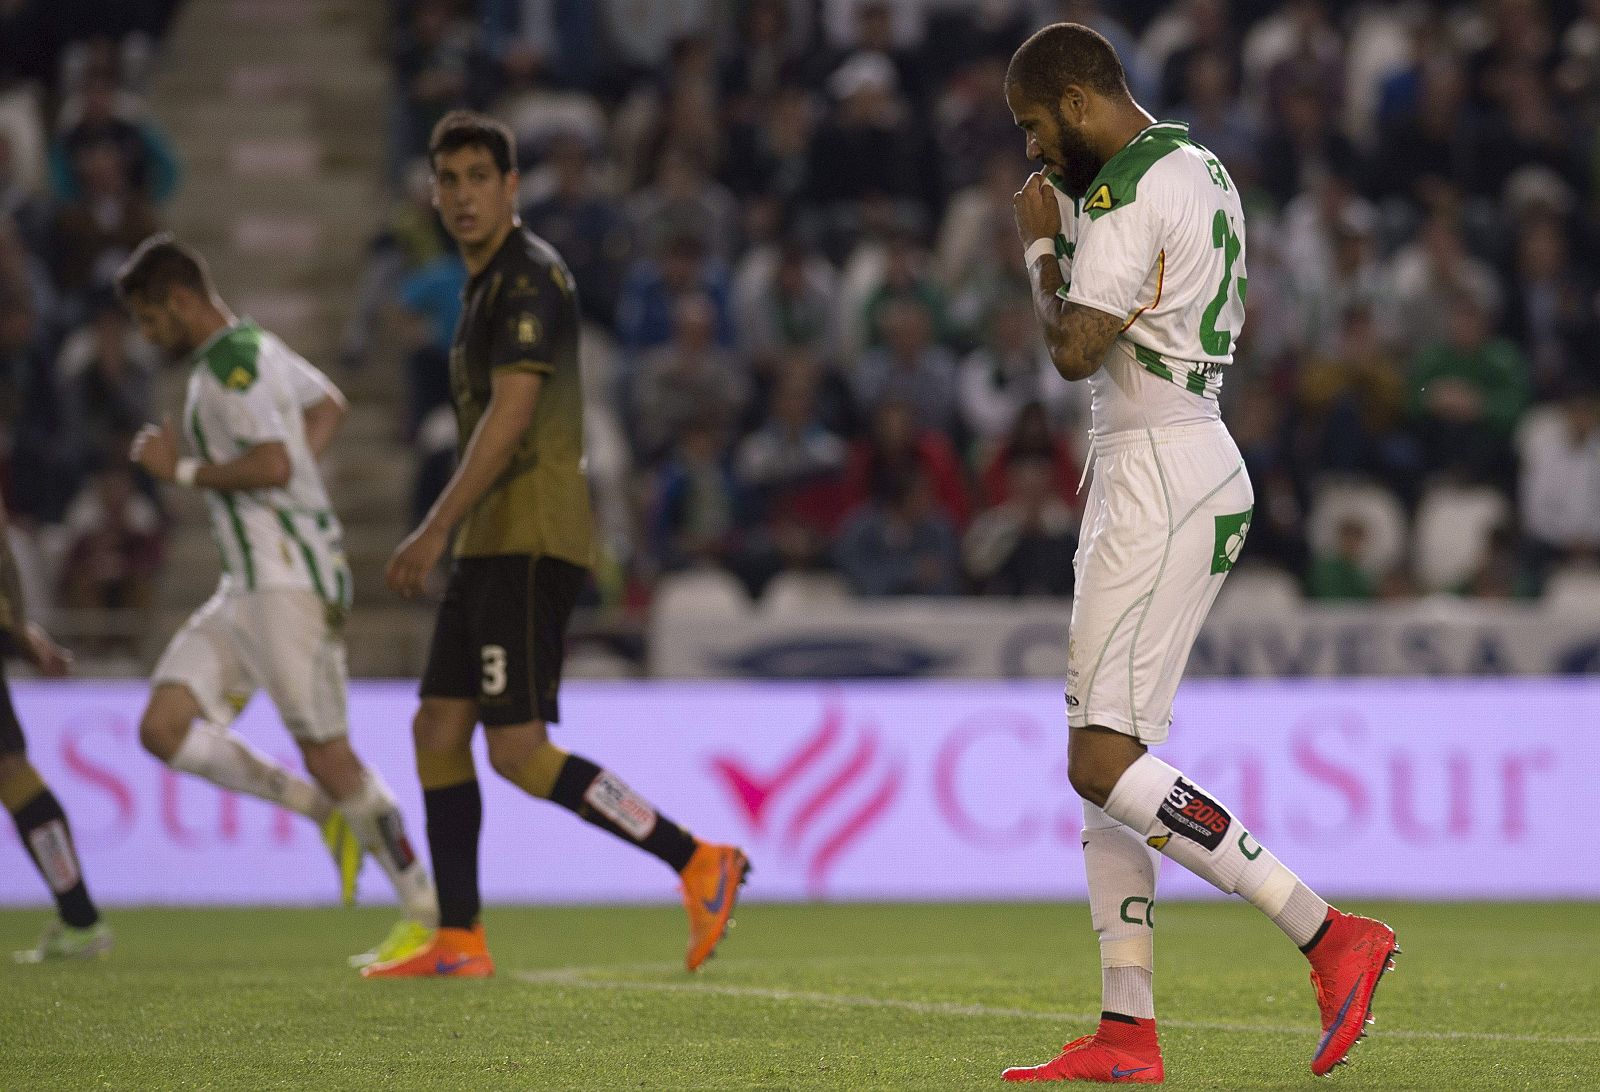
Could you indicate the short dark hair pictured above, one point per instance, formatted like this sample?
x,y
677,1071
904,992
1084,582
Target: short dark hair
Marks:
x,y
1062,54
469,129
158,265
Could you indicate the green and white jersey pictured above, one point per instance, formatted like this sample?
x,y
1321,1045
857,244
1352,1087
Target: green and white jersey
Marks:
x,y
249,388
1158,240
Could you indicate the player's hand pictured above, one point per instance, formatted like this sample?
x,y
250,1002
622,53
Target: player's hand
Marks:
x,y
156,449
414,559
1038,214
51,659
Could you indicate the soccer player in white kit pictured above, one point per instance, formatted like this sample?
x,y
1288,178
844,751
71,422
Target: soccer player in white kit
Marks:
x,y
257,416
1136,254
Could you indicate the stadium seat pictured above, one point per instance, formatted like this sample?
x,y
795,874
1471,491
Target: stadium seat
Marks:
x,y
701,593
1259,590
791,593
1452,533
1340,499
1573,589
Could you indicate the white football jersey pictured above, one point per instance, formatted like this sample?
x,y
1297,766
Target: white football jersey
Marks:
x,y
249,388
1158,240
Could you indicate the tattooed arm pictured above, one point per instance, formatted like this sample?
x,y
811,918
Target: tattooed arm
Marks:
x,y
1078,337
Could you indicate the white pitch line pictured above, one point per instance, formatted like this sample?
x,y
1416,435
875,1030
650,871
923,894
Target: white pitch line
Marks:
x,y
584,978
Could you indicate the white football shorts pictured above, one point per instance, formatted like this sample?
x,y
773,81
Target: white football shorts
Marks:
x,y
1167,514
280,640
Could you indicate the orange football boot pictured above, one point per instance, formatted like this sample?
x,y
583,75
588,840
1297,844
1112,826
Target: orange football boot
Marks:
x,y
1347,961
1117,1053
711,883
452,953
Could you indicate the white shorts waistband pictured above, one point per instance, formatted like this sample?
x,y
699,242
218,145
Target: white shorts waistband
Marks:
x,y
1105,443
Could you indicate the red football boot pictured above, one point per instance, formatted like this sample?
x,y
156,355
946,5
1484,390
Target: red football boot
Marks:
x,y
1347,962
1117,1053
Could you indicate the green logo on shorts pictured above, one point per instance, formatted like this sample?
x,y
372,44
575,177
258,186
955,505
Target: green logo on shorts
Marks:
x,y
1230,540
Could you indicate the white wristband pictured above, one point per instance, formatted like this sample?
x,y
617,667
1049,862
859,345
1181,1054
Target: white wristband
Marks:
x,y
1038,249
185,471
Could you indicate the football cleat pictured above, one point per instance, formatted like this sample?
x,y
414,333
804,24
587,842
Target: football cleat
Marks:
x,y
62,941
1347,963
711,883
449,953
1117,1053
347,856
406,938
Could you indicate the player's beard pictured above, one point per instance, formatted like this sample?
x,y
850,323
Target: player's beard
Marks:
x,y
1075,162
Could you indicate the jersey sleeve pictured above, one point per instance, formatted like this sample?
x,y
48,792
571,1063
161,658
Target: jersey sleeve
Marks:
x,y
1114,255
308,384
530,317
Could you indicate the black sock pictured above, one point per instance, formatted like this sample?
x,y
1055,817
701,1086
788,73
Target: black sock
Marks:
x,y
455,816
44,830
599,797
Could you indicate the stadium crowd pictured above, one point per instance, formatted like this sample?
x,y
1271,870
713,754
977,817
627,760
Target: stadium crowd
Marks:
x,y
811,345
812,342
84,172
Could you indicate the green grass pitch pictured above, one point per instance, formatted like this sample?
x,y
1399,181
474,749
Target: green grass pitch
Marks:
x,y
825,996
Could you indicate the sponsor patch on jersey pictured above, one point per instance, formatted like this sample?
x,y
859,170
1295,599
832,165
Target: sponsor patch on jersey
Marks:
x,y
528,329
240,379
1194,815
1101,199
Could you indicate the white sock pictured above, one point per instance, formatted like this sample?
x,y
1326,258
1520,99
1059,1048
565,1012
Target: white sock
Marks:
x,y
376,822
1184,823
1122,894
222,757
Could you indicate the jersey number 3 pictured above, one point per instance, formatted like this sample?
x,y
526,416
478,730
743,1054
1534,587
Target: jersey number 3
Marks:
x,y
1218,342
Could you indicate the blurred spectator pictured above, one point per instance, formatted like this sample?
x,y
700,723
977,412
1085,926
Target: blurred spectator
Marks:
x,y
870,146
430,298
580,220
786,297
685,380
684,200
542,41
911,367
105,372
762,60
1302,143
1500,575
1427,275
1030,438
1552,307
1194,29
1467,393
20,202
698,509
769,153
896,446
792,451
1424,153
106,114
1007,373
1353,404
906,276
1024,546
1559,489
1339,575
972,123
440,64
115,541
1260,427
653,288
1211,107
411,239
899,543
93,233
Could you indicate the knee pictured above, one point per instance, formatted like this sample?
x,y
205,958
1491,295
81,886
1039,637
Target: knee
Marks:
x,y
1091,779
513,751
